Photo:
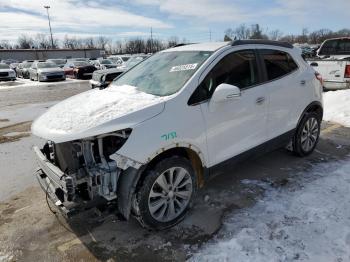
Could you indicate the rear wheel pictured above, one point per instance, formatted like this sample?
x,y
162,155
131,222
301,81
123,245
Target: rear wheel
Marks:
x,y
307,134
166,193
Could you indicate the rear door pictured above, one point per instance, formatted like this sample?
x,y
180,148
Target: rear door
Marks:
x,y
285,83
238,125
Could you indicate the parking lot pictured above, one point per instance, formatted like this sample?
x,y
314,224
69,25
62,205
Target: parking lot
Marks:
x,y
31,232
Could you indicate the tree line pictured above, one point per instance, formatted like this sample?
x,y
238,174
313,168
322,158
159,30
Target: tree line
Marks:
x,y
131,46
150,45
255,31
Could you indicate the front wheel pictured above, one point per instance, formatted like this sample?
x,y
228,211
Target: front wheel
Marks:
x,y
166,193
307,134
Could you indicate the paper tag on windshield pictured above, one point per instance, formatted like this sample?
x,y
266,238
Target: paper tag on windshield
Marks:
x,y
183,67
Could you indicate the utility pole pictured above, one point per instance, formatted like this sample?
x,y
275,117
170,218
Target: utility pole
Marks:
x,y
151,40
210,34
48,17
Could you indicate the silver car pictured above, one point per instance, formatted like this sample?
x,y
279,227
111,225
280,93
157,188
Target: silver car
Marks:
x,y
6,73
46,71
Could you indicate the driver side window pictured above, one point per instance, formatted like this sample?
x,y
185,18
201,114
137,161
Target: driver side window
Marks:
x,y
238,69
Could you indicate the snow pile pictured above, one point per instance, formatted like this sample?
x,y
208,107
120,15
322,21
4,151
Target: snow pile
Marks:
x,y
92,108
307,224
337,107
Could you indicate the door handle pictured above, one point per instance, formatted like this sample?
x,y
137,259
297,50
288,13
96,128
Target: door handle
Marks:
x,y
302,82
260,100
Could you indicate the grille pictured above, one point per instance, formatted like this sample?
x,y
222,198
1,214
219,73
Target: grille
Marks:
x,y
4,74
54,76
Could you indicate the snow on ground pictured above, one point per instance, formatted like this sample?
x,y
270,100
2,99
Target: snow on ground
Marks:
x,y
308,222
28,83
337,107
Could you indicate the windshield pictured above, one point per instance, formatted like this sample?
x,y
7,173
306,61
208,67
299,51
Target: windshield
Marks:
x,y
46,65
106,62
80,63
134,61
58,61
164,73
125,58
27,65
4,66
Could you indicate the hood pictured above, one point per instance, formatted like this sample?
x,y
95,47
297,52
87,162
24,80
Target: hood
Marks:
x,y
6,70
50,70
97,112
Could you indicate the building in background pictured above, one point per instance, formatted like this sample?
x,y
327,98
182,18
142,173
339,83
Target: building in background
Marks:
x,y
43,54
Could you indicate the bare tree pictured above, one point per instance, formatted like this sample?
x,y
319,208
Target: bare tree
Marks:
x,y
4,44
102,41
275,35
172,41
242,32
25,42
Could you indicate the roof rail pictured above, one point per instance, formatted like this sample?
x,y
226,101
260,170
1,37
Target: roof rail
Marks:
x,y
261,42
181,44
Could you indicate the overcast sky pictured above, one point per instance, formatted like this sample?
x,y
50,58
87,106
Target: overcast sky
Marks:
x,y
120,19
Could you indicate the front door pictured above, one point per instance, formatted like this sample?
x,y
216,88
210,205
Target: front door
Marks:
x,y
236,125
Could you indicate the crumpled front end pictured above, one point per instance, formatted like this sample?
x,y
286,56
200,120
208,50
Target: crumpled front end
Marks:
x,y
79,174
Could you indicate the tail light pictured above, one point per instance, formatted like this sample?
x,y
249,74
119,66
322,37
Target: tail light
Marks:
x,y
319,77
347,71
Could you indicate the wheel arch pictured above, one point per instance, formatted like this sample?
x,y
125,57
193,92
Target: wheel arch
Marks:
x,y
131,179
315,106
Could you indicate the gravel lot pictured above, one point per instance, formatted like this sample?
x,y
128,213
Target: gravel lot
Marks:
x,y
31,232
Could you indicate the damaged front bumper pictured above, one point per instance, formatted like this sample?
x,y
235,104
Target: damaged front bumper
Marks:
x,y
59,188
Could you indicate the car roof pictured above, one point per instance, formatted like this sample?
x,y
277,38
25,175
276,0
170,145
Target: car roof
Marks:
x,y
211,46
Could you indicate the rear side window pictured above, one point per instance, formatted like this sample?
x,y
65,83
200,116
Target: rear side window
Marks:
x,y
335,47
238,69
277,63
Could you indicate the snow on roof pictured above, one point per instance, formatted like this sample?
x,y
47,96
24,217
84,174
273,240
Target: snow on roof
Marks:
x,y
211,46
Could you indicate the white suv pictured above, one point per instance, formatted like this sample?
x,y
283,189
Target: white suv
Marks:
x,y
160,130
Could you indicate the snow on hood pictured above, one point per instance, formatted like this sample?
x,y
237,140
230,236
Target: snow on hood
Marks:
x,y
96,112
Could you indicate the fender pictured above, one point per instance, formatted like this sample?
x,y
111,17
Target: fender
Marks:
x,y
126,188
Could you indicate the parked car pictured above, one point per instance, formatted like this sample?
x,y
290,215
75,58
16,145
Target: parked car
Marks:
x,y
59,62
79,69
104,64
119,59
102,78
23,69
13,66
163,128
333,63
45,71
132,61
8,61
6,73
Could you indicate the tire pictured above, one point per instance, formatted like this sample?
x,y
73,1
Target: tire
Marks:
x,y
307,134
154,212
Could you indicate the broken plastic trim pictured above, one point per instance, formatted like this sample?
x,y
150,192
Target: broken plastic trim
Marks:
x,y
125,162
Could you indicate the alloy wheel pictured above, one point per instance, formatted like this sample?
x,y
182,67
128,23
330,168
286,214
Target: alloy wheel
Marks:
x,y
170,194
309,134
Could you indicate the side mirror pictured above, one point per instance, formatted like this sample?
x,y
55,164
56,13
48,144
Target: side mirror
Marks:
x,y
225,92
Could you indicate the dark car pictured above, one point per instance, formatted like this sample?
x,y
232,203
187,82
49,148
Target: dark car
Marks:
x,y
102,78
23,69
104,64
79,69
